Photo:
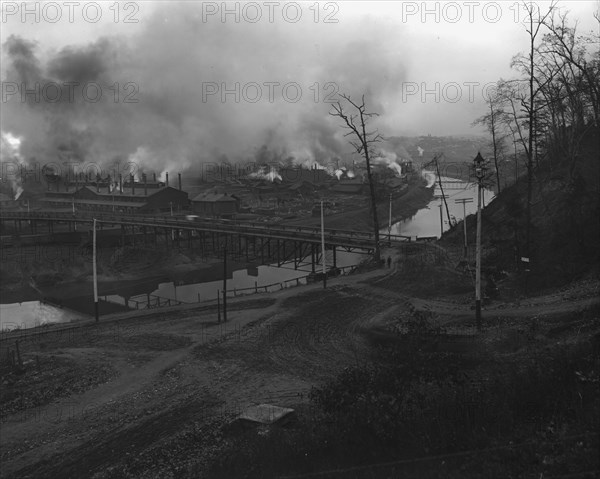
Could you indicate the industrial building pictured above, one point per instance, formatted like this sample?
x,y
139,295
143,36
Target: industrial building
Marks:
x,y
138,198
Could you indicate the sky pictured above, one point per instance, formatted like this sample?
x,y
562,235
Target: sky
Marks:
x,y
167,85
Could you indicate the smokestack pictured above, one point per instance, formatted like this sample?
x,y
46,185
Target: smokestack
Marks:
x,y
120,183
167,182
179,181
67,183
154,177
145,185
132,185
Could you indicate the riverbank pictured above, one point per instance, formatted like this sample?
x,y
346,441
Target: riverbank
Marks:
x,y
405,205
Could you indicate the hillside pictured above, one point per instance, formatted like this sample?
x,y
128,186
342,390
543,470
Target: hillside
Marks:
x,y
565,232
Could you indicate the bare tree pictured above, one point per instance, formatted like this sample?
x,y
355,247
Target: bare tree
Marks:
x,y
492,121
529,103
363,142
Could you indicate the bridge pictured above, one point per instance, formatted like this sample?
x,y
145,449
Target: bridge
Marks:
x,y
254,241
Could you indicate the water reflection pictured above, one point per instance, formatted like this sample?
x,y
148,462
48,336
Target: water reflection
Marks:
x,y
31,314
426,222
269,276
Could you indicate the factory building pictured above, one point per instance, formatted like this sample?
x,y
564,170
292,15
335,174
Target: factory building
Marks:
x,y
138,198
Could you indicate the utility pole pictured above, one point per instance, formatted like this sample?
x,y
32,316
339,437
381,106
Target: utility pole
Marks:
x,y
218,306
225,284
464,201
390,223
439,176
479,173
323,247
441,198
95,273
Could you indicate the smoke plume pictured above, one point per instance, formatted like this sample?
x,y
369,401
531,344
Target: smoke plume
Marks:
x,y
156,108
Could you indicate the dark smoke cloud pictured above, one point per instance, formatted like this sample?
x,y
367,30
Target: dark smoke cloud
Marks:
x,y
172,126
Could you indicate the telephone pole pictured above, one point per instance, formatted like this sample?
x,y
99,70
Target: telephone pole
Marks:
x,y
224,285
95,273
464,201
479,173
323,247
390,223
441,198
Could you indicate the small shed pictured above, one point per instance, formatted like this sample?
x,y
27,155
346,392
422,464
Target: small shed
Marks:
x,y
219,205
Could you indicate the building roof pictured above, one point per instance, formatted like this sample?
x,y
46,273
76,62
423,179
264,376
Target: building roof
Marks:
x,y
69,202
213,198
139,191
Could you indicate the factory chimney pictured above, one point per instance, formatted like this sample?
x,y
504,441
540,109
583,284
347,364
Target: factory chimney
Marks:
x,y
167,182
145,186
120,183
179,181
132,185
154,177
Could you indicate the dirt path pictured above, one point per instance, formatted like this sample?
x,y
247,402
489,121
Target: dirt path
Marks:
x,y
271,354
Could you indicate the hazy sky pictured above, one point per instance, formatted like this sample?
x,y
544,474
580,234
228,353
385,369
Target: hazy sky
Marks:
x,y
183,82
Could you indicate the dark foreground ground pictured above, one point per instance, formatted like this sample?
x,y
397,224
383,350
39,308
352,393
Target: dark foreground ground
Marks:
x,y
385,370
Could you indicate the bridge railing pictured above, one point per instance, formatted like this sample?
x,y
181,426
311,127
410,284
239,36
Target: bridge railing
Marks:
x,y
226,226
278,286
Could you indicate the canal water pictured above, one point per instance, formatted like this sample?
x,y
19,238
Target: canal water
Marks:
x,y
270,277
426,222
30,314
36,313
